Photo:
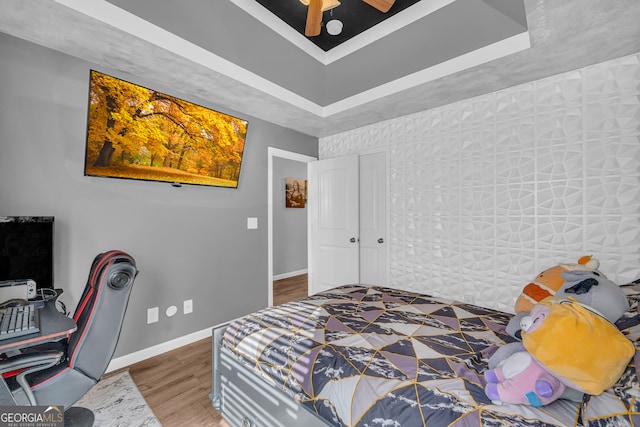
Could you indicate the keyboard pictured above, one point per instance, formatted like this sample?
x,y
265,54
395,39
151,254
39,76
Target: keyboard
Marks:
x,y
18,321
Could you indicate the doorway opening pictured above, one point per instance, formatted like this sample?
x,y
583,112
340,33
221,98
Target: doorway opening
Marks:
x,y
279,153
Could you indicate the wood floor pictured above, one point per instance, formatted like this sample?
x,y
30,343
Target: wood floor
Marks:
x,y
177,384
290,289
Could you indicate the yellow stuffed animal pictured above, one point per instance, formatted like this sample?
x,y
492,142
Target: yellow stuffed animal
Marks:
x,y
547,283
576,344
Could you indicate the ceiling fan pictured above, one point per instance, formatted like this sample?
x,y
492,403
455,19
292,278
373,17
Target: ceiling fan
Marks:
x,y
316,7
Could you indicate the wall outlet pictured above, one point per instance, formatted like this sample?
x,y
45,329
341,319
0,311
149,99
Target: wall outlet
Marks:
x,y
187,306
152,315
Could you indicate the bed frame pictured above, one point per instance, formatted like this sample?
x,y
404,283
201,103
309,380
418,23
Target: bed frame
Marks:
x,y
246,400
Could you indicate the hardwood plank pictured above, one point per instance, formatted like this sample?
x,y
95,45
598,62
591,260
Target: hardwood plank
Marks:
x,y
177,384
290,289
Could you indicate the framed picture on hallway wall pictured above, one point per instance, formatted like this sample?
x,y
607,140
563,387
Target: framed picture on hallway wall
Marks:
x,y
295,192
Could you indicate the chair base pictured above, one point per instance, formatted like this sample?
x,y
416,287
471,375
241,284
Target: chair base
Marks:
x,y
78,417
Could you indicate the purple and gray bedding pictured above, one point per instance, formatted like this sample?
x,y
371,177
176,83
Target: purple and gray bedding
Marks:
x,y
372,356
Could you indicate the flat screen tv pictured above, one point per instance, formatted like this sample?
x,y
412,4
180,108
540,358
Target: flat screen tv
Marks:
x,y
26,249
138,133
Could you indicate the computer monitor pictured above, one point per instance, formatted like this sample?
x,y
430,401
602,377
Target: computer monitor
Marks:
x,y
26,249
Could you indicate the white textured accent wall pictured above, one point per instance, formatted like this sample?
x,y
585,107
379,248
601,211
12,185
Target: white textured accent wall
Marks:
x,y
487,192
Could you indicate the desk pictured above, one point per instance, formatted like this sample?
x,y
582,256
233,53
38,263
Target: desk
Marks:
x,y
53,327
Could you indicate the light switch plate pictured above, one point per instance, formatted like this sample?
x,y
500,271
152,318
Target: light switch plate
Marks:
x,y
252,223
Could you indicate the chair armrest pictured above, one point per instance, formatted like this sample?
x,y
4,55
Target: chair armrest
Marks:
x,y
27,364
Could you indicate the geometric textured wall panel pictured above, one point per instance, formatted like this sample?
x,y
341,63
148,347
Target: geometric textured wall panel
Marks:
x,y
487,192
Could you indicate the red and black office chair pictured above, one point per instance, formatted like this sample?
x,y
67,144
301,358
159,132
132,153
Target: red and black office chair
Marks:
x,y
63,375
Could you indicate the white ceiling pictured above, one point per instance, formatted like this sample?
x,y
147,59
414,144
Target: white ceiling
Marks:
x,y
233,55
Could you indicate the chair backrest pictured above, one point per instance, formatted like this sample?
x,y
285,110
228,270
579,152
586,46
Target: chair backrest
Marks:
x,y
100,313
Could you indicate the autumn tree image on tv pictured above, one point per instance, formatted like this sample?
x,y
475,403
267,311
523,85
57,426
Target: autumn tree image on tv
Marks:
x,y
138,133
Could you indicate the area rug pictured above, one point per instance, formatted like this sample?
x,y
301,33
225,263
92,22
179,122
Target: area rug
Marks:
x,y
117,402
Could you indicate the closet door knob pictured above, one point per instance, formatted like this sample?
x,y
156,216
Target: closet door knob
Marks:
x,y
352,240
381,240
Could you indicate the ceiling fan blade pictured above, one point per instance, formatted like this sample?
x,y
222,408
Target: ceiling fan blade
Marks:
x,y
314,18
382,5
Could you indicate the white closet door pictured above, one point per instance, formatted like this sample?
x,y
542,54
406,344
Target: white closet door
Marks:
x,y
333,204
373,219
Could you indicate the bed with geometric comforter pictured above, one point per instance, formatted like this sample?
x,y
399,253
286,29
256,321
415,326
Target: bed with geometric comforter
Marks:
x,y
372,356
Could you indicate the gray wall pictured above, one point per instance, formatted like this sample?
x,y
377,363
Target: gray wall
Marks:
x,y
189,243
289,224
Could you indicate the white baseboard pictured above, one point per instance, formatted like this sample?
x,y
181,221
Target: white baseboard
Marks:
x,y
290,274
138,356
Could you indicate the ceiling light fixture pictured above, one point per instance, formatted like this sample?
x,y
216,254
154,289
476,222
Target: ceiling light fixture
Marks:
x,y
334,27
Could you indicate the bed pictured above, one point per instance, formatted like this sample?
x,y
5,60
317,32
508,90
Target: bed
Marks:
x,y
365,356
